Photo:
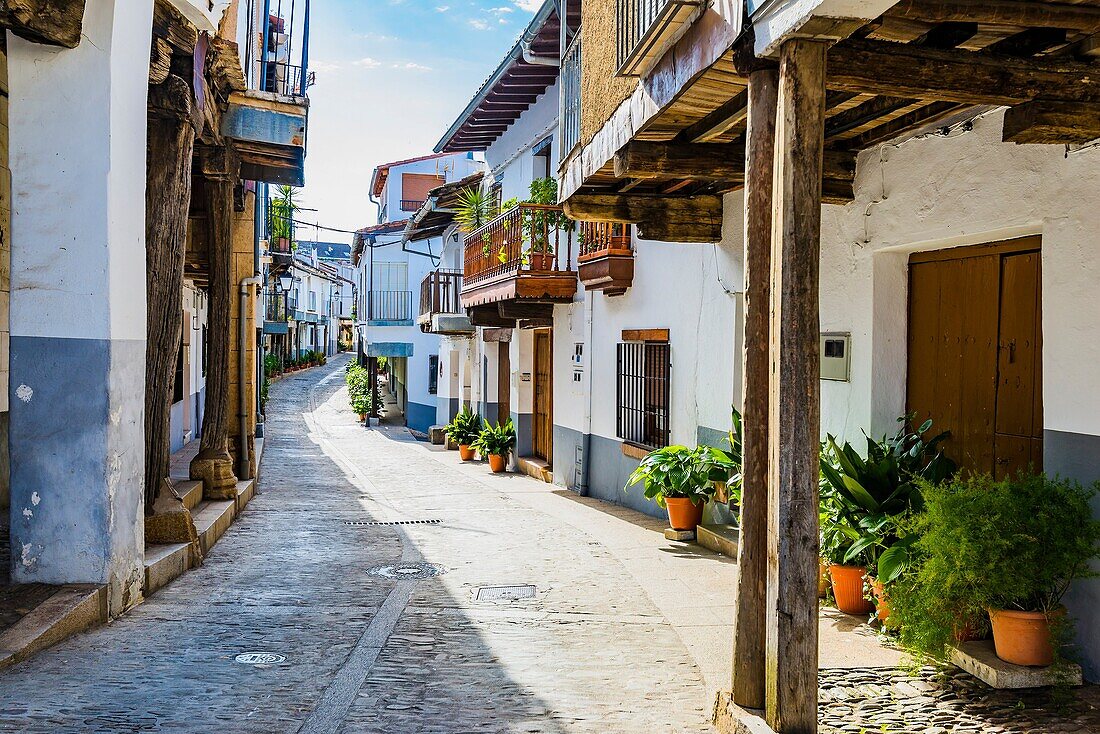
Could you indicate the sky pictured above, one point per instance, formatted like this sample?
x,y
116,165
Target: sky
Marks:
x,y
392,75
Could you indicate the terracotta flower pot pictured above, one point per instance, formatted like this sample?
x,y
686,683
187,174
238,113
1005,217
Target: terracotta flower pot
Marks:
x,y
882,604
496,463
1022,638
682,514
362,417
541,260
848,589
465,452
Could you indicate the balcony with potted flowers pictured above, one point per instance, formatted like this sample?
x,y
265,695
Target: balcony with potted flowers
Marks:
x,y
606,259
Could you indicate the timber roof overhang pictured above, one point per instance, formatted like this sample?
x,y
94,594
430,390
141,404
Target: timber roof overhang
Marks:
x,y
920,66
512,87
382,172
437,213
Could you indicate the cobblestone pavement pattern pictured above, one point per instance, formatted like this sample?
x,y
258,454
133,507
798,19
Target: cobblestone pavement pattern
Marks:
x,y
368,652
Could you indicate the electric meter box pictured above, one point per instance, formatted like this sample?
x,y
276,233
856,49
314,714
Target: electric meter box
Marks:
x,y
836,357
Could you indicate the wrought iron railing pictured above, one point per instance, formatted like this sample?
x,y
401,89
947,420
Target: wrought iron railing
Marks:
x,y
411,205
603,238
275,306
571,97
389,306
641,25
439,292
276,57
530,238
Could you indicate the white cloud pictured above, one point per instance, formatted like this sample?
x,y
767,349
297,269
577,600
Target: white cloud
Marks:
x,y
478,24
442,8
325,67
368,63
528,5
412,66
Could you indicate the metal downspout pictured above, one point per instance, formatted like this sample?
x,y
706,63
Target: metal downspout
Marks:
x,y
242,368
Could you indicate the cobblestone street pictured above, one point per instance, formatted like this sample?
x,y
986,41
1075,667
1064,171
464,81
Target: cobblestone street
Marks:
x,y
303,575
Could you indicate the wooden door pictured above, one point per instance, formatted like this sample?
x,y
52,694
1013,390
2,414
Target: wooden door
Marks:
x,y
975,353
543,419
504,382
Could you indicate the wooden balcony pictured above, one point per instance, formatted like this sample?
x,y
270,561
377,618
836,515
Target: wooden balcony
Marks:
x,y
518,266
441,309
606,260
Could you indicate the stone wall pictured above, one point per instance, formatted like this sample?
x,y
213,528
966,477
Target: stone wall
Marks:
x,y
601,90
243,266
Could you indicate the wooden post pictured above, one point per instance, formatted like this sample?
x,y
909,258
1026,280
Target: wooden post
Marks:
x,y
167,198
752,550
213,464
795,410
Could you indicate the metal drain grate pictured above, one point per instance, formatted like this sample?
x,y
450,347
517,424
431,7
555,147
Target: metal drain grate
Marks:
x,y
505,593
260,658
407,571
376,523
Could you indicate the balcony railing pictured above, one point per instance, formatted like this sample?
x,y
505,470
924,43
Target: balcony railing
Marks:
x,y
571,97
389,306
534,238
275,306
439,292
411,205
642,26
601,238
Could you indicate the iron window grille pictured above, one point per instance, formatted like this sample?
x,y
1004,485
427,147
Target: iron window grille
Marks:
x,y
433,374
643,391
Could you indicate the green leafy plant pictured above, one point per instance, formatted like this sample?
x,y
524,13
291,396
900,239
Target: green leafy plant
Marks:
x,y
495,440
475,209
676,471
360,390
382,364
465,427
725,466
864,499
272,365
283,207
985,544
361,404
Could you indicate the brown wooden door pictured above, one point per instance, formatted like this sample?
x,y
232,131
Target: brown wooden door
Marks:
x,y
504,382
543,419
975,353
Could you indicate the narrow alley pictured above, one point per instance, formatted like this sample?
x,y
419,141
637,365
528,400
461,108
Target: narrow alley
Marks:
x,y
328,575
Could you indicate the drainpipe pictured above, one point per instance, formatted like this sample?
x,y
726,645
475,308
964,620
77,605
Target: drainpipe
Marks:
x,y
242,368
532,32
586,436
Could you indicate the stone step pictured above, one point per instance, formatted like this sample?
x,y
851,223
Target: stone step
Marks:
x,y
212,518
719,538
71,609
535,467
246,490
165,563
190,491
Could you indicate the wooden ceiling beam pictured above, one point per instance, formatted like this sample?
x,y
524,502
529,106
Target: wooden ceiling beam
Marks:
x,y
1028,43
1051,122
1083,18
704,161
922,116
730,114
50,22
965,77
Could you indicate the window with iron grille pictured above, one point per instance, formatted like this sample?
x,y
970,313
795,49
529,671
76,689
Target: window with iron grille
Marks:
x,y
644,373
433,374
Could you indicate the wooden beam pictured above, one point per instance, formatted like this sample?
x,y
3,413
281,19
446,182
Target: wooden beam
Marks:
x,y
749,628
701,161
525,310
51,22
645,335
795,392
663,218
1022,13
705,161
1044,121
965,77
728,115
488,315
923,115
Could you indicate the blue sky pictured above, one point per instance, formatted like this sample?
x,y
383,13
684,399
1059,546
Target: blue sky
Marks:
x,y
391,76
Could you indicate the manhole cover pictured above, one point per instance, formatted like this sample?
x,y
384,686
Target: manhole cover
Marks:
x,y
406,571
505,593
260,658
375,523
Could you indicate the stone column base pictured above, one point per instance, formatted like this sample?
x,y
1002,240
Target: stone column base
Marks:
x,y
216,474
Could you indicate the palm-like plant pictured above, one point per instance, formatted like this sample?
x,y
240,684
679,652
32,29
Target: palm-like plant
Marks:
x,y
475,209
283,207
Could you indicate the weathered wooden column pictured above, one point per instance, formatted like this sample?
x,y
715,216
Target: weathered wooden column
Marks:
x,y
214,464
752,550
169,154
795,409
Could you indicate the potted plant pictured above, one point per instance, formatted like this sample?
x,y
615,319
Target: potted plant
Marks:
x,y
678,479
474,209
496,442
862,503
464,430
725,466
1010,548
361,405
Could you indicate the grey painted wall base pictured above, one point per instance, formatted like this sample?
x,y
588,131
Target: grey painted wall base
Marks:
x,y
77,463
522,422
610,470
1077,456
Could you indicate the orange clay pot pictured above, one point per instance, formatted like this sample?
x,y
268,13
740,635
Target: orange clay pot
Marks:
x,y
1022,638
496,463
682,514
465,452
848,589
882,605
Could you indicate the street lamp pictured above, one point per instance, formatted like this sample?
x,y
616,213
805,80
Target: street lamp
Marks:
x,y
286,282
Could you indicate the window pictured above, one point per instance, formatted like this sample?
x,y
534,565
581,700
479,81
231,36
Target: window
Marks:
x,y
643,371
540,164
177,384
496,192
313,301
433,374
415,188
